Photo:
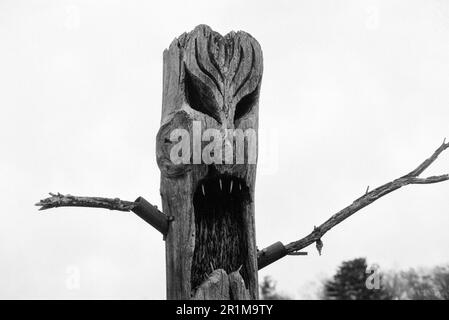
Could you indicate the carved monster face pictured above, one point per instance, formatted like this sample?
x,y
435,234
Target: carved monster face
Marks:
x,y
213,82
222,76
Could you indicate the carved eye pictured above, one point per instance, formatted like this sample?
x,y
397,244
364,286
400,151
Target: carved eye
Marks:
x,y
200,97
245,104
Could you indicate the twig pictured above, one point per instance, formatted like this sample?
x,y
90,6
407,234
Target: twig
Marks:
x,y
298,253
370,197
60,200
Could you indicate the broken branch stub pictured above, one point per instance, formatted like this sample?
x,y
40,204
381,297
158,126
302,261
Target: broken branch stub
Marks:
x,y
271,254
151,215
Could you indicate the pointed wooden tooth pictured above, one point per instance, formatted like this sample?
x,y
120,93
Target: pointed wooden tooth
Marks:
x,y
221,184
230,187
202,188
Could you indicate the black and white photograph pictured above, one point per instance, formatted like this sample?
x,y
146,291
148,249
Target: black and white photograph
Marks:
x,y
241,151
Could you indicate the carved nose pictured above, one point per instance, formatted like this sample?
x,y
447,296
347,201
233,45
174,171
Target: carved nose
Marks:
x,y
227,137
227,121
226,133
227,126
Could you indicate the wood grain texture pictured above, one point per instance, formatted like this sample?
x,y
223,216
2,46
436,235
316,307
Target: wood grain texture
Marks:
x,y
61,200
222,286
216,287
215,80
237,288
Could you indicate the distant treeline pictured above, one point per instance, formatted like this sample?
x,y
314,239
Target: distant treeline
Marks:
x,y
354,280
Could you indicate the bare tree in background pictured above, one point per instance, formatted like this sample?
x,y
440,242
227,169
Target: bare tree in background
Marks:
x,y
421,284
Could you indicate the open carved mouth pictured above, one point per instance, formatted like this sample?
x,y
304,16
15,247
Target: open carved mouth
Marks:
x,y
220,237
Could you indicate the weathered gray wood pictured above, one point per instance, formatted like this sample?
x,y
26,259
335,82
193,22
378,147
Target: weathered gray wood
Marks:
x,y
216,287
140,207
214,80
222,286
151,215
61,200
237,287
271,254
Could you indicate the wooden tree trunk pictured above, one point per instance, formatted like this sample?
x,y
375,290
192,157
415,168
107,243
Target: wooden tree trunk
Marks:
x,y
207,185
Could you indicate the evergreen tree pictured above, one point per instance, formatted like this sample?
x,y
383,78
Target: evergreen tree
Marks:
x,y
349,283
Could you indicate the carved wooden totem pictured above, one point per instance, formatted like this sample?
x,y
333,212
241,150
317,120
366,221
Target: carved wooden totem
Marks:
x,y
210,82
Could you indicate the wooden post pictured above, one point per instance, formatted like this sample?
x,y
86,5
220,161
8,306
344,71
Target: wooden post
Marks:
x,y
210,82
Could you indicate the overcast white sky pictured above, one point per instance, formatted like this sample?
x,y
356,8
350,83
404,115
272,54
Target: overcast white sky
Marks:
x,y
354,93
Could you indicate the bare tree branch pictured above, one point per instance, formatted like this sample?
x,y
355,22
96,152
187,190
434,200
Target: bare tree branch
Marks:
x,y
140,207
60,200
368,198
160,221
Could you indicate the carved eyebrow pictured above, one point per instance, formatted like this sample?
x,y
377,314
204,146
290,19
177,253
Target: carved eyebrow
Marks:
x,y
238,64
204,70
248,76
212,59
